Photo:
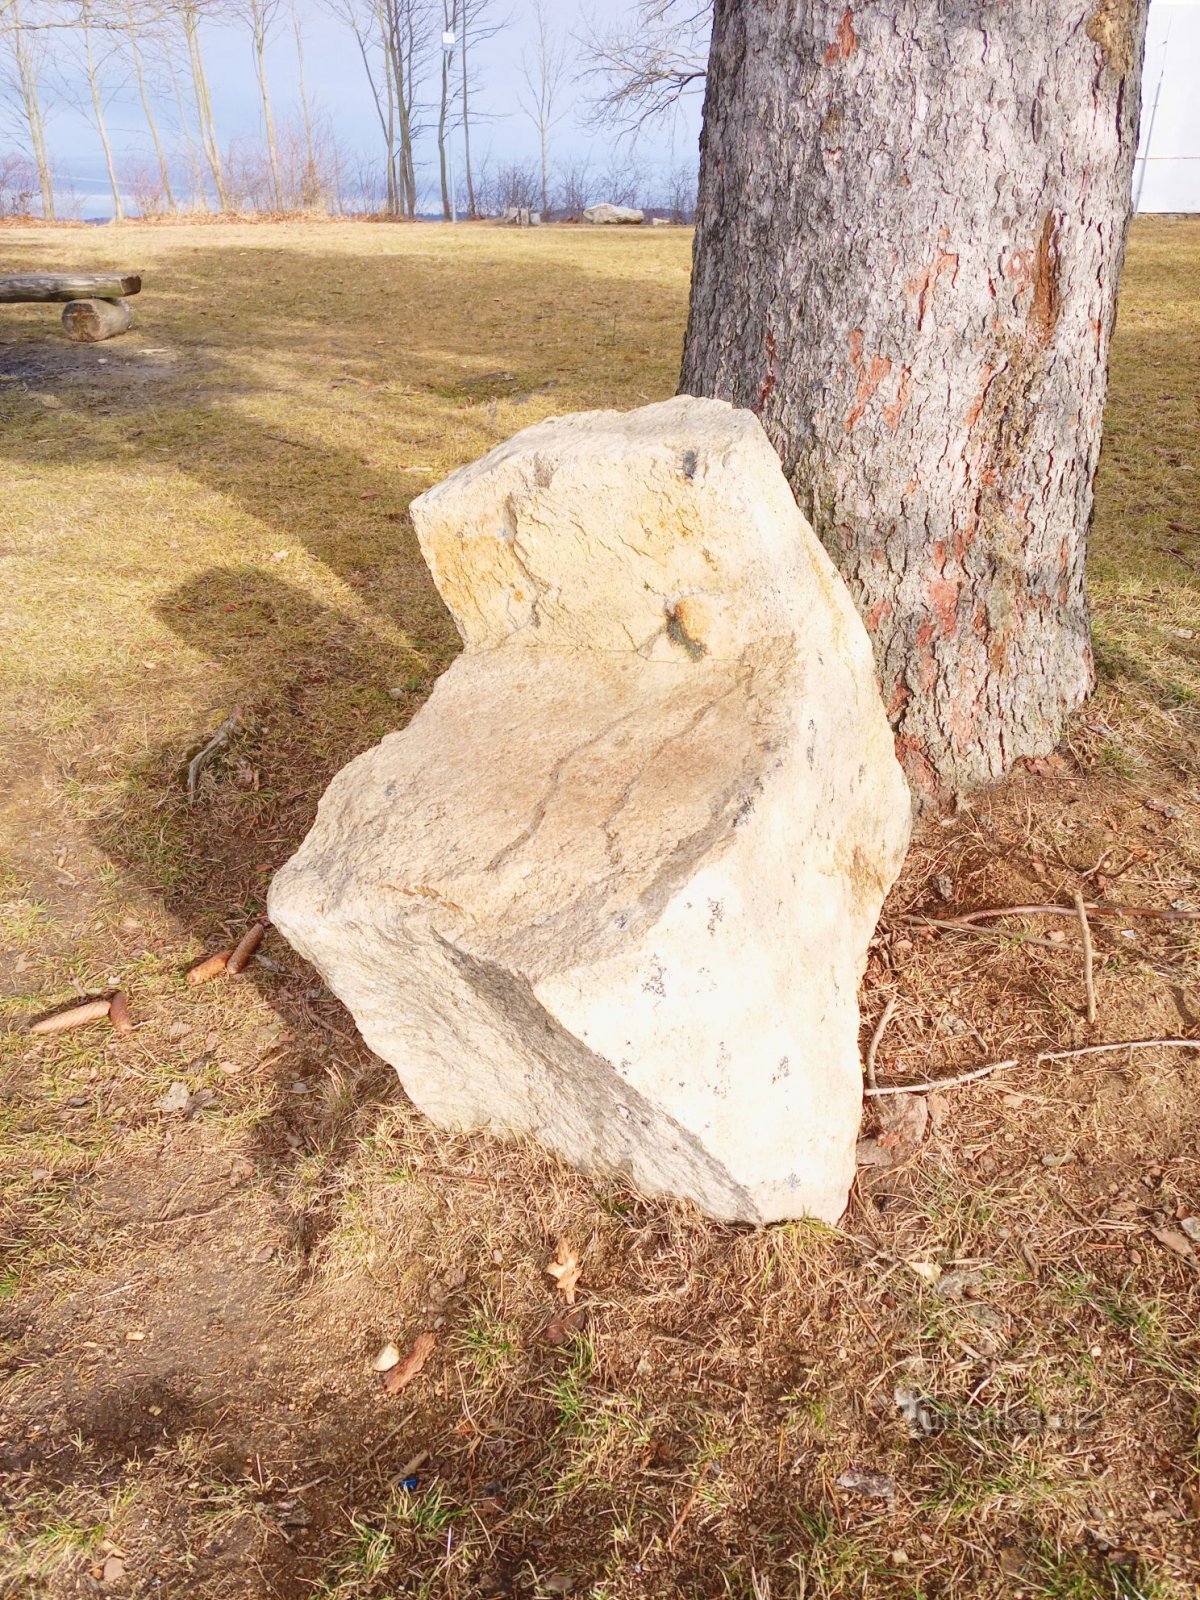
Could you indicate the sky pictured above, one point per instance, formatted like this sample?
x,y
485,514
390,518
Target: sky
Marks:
x,y
1167,177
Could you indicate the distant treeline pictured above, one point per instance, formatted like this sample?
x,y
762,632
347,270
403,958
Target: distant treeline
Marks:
x,y
424,65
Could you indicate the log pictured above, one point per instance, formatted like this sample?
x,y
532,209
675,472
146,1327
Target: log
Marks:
x,y
89,321
68,286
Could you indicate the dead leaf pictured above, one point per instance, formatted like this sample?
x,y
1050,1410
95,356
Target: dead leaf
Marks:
x,y
177,1098
1178,1243
960,1284
399,1377
565,1270
560,1330
871,1485
928,1270
939,1110
902,1126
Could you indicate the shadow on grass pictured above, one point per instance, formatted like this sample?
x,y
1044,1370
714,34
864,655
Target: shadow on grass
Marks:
x,y
315,685
437,341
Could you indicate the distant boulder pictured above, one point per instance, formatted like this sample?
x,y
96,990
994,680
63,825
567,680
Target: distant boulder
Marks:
x,y
607,213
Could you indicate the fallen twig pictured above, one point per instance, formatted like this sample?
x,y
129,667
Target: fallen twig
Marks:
x,y
1088,980
873,1047
688,1504
76,1017
1093,909
202,757
1034,1061
1117,1044
976,930
945,1083
244,949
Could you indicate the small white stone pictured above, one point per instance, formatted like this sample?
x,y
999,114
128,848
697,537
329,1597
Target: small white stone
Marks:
x,y
387,1358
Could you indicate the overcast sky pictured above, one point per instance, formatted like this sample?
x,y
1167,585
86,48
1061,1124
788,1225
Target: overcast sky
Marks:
x,y
1170,180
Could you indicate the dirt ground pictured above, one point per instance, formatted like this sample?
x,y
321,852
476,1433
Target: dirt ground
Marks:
x,y
984,1383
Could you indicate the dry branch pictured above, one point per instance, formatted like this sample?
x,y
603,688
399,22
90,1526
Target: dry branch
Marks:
x,y
1088,976
1034,1061
688,1504
873,1047
1093,909
202,757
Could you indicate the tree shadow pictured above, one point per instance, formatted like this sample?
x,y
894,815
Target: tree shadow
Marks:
x,y
460,356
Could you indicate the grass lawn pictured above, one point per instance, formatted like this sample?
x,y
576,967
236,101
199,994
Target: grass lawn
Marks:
x,y
1001,1340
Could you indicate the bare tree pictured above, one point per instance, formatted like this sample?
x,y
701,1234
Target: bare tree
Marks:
x,y
365,20
450,28
26,59
395,40
573,192
192,152
261,17
477,23
86,21
544,70
682,186
133,27
190,15
305,103
18,185
644,65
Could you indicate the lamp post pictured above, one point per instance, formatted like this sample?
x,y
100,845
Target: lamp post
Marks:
x,y
448,51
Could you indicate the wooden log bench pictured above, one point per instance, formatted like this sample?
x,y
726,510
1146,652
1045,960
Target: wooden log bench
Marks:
x,y
95,306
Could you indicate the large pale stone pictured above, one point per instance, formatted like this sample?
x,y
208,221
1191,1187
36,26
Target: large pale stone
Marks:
x,y
613,885
610,214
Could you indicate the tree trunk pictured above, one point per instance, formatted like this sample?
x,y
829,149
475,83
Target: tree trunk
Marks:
x,y
910,229
305,103
195,163
472,210
204,113
135,51
90,321
93,78
443,111
32,109
260,69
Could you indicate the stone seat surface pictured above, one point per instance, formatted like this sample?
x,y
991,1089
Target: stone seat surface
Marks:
x,y
614,883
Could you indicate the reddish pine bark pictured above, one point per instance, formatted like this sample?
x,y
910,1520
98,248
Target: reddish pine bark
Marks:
x,y
911,223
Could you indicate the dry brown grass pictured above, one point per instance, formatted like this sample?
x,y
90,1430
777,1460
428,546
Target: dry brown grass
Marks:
x,y
211,514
